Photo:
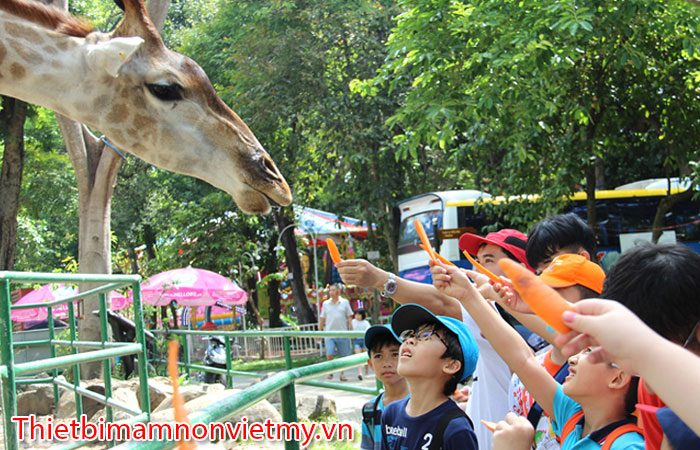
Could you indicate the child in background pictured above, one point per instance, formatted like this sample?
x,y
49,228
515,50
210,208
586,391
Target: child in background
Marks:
x,y
383,350
661,285
436,353
595,401
360,323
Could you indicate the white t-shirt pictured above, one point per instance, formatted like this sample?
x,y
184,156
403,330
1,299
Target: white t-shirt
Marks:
x,y
489,396
360,325
336,314
521,402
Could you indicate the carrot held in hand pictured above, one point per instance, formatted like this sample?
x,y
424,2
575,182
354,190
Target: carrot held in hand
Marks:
x,y
333,250
490,425
542,299
442,259
493,277
424,239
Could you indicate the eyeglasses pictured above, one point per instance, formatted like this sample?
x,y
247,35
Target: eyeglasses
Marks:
x,y
691,336
422,335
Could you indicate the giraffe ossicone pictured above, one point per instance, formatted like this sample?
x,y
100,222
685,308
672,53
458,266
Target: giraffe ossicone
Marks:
x,y
148,100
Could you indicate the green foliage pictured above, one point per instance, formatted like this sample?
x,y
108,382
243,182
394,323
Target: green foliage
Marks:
x,y
531,95
48,211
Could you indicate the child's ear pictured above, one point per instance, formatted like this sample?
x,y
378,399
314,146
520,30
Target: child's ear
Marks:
x,y
621,381
370,363
451,366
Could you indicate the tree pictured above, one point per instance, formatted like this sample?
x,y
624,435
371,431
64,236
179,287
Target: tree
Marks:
x,y
535,97
12,116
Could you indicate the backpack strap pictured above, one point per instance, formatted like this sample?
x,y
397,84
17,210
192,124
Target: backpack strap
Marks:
x,y
441,427
617,432
570,425
371,414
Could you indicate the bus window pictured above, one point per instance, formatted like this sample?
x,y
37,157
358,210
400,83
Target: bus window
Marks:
x,y
408,236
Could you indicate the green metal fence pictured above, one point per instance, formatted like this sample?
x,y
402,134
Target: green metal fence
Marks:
x,y
12,375
283,381
230,372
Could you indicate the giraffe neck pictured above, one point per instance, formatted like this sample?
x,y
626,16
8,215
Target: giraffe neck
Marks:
x,y
48,68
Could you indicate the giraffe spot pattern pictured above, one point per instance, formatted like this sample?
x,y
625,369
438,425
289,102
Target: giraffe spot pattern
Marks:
x,y
22,32
26,52
18,71
118,114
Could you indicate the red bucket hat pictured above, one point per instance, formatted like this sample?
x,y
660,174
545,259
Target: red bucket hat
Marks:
x,y
508,239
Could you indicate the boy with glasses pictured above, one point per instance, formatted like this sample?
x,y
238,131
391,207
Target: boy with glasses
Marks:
x,y
436,354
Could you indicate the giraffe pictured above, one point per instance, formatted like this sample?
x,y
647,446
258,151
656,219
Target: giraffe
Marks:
x,y
146,99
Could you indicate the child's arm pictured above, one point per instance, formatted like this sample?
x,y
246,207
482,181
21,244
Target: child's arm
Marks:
x,y
362,273
508,297
504,339
670,370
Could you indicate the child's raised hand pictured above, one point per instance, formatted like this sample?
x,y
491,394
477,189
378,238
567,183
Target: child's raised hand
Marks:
x,y
620,334
513,433
451,280
509,297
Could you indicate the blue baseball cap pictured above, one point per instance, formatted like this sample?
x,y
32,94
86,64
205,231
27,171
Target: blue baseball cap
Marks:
x,y
377,330
411,316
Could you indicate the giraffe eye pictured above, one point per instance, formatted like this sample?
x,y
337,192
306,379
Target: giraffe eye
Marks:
x,y
165,92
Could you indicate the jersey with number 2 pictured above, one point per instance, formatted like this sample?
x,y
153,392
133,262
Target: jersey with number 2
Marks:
x,y
403,432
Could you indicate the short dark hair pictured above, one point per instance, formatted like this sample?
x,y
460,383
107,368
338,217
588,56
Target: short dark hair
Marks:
x,y
560,232
660,284
631,395
453,351
587,292
380,341
361,312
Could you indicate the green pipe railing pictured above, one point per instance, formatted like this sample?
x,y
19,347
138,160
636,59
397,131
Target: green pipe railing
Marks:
x,y
282,381
106,350
229,372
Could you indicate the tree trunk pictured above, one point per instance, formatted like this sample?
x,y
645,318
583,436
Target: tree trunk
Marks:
x,y
96,168
304,312
14,115
273,291
133,259
665,205
96,172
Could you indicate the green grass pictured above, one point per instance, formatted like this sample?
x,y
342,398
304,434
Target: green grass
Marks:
x,y
256,366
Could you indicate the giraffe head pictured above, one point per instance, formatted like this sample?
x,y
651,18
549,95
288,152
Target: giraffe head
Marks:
x,y
165,111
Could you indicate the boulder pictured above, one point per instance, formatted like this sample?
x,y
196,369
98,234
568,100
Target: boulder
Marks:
x,y
311,407
125,396
189,392
66,403
37,399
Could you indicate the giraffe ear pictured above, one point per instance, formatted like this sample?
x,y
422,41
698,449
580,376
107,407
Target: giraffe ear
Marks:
x,y
109,56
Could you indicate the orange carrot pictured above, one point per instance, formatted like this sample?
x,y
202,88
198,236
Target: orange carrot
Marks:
x,y
178,399
333,250
492,276
424,239
490,425
438,256
543,300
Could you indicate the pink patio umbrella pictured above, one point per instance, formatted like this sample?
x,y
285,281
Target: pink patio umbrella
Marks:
x,y
191,287
49,293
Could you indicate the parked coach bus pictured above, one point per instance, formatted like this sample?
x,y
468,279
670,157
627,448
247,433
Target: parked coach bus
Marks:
x,y
624,215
